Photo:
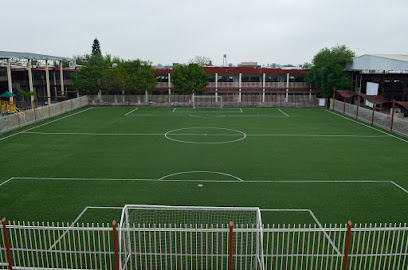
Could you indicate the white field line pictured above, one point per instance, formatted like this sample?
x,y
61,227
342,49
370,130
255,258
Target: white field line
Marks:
x,y
174,109
403,189
241,110
195,180
189,115
131,111
287,115
76,220
360,123
206,134
5,182
315,219
44,124
221,173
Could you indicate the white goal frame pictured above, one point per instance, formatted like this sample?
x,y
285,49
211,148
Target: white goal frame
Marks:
x,y
139,222
207,101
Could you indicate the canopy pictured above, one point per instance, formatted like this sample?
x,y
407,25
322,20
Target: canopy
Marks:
x,y
346,93
7,94
378,99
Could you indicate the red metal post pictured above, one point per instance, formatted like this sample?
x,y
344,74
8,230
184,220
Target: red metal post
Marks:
x,y
346,248
115,245
79,102
334,97
18,119
344,102
372,116
7,244
231,242
35,115
128,100
392,114
358,104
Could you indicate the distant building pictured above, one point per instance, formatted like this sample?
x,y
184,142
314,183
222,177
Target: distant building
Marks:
x,y
390,71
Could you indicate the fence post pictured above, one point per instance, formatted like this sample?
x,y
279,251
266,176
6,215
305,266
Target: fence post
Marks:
x,y
7,244
35,116
334,97
344,102
346,248
392,114
231,242
358,104
294,96
372,116
115,245
18,119
71,104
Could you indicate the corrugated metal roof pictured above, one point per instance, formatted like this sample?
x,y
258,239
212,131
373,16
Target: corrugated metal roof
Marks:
x,y
401,57
35,56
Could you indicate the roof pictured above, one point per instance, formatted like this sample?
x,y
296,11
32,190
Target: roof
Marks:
x,y
400,57
374,63
36,56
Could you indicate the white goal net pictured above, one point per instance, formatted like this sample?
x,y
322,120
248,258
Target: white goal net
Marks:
x,y
190,237
207,101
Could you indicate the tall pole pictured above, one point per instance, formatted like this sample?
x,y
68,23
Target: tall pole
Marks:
x,y
9,80
263,87
347,246
7,244
231,244
372,116
169,85
287,87
47,81
216,87
30,82
239,86
392,114
61,78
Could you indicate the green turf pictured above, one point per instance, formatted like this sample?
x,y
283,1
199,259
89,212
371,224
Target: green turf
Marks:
x,y
225,146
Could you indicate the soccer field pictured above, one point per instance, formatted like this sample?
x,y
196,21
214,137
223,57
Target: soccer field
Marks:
x,y
300,166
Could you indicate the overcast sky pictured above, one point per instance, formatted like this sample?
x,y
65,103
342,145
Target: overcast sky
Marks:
x,y
174,31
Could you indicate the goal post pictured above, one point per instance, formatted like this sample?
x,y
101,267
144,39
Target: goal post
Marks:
x,y
207,101
189,237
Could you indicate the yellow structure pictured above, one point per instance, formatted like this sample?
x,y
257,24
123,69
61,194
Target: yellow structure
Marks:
x,y
5,107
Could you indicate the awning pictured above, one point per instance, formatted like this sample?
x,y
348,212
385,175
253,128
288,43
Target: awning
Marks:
x,y
346,93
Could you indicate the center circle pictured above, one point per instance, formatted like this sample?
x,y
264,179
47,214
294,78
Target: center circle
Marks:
x,y
205,135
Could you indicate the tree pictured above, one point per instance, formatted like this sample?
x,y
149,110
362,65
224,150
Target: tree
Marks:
x,y
96,48
327,70
189,79
87,80
201,61
109,79
136,76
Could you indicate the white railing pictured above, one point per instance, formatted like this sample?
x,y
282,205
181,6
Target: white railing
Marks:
x,y
28,117
64,246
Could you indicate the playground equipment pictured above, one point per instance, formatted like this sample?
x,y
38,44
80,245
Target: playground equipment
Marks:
x,y
9,108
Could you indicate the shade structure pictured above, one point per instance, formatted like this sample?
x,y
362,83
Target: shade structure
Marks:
x,y
7,94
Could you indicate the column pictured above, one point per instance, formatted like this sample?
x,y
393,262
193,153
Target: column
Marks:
x,y
30,82
287,87
47,79
169,85
239,85
62,79
263,87
216,87
9,80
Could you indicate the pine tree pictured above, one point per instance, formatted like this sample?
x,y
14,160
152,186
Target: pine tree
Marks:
x,y
96,48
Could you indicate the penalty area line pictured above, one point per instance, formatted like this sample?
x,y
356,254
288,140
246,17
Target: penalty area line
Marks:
x,y
131,111
287,115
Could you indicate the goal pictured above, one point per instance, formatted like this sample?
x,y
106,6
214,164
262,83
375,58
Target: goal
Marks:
x,y
207,101
190,237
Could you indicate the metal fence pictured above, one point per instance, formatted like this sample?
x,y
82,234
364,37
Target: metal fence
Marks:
x,y
383,120
17,120
91,246
228,100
